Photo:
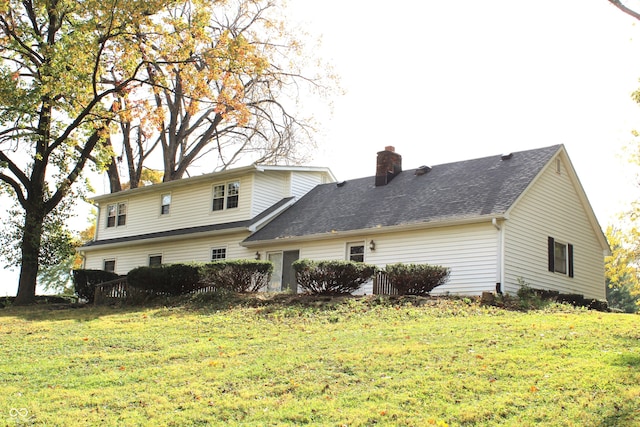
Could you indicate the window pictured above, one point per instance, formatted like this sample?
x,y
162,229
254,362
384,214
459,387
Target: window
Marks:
x,y
166,204
355,251
109,265
116,214
225,196
218,254
560,257
122,214
155,260
111,216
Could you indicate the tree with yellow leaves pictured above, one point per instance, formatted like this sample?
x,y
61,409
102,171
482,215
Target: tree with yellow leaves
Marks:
x,y
64,64
225,89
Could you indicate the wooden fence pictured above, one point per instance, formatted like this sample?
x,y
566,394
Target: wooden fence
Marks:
x,y
382,286
118,290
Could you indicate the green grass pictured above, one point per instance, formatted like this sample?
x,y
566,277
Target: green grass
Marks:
x,y
354,362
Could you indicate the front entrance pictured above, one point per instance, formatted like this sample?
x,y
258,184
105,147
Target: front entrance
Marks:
x,y
283,278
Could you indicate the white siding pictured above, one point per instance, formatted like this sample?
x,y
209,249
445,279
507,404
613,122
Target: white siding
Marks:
x,y
191,206
470,251
269,188
552,208
185,250
302,183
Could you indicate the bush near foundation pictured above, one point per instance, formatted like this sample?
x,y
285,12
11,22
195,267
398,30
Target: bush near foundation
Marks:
x,y
169,279
332,277
416,279
242,275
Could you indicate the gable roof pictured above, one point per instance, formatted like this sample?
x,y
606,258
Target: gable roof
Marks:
x,y
459,191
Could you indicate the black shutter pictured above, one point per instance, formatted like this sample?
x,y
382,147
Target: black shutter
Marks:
x,y
551,257
570,259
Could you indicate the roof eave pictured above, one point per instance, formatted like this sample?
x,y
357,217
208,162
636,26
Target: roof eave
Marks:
x,y
335,234
162,239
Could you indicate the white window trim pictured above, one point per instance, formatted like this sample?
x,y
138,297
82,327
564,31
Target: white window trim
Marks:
x,y
213,248
117,205
225,197
162,214
350,245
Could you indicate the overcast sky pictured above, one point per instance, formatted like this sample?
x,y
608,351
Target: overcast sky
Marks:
x,y
447,81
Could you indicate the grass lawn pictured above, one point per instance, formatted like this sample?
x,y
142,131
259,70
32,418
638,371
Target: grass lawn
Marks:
x,y
346,362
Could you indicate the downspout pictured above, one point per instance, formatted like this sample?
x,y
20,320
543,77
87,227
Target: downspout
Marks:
x,y
499,256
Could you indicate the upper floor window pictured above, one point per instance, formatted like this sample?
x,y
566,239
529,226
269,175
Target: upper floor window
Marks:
x,y
116,214
355,251
166,204
560,257
225,196
218,254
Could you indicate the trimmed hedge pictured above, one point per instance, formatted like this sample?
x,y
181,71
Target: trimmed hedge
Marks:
x,y
416,279
332,277
85,281
243,275
178,279
168,279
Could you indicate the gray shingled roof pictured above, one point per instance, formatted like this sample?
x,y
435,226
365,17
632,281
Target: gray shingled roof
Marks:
x,y
460,190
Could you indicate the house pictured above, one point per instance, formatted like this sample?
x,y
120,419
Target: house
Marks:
x,y
495,221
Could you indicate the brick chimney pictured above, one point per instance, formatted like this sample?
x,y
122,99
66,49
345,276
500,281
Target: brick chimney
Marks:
x,y
388,165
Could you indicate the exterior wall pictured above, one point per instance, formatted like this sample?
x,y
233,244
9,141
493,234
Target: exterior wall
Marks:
x,y
552,208
185,250
268,188
471,251
191,205
303,182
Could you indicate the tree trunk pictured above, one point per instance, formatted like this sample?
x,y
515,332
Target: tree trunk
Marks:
x,y
31,241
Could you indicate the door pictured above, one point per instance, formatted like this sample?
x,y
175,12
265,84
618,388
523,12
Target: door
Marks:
x,y
289,283
283,278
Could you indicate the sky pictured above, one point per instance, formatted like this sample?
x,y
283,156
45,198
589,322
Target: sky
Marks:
x,y
449,81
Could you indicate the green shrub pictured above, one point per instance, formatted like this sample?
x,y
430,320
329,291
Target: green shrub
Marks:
x,y
169,279
243,275
85,281
416,279
332,277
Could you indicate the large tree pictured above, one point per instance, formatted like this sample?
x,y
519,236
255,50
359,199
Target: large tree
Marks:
x,y
63,63
225,90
